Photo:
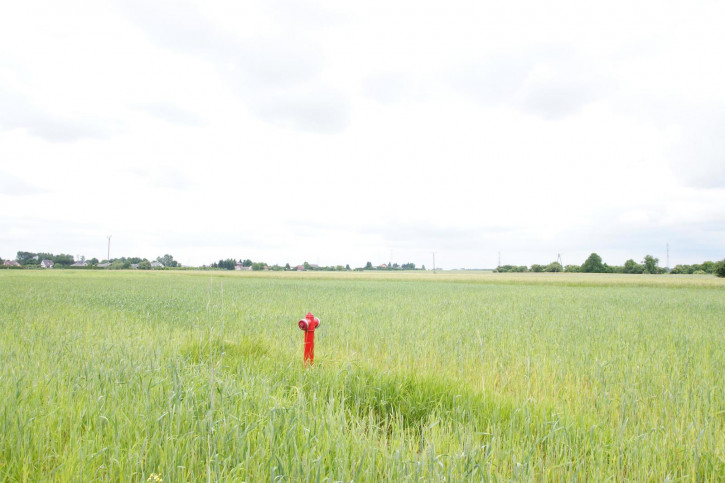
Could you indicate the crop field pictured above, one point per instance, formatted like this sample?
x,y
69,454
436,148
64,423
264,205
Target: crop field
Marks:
x,y
193,376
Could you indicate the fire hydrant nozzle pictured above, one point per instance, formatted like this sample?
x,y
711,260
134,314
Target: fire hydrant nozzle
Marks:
x,y
309,324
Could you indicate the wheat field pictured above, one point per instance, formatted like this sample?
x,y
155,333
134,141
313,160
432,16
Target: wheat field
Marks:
x,y
192,376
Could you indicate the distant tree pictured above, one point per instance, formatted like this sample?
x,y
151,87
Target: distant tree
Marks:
x,y
247,263
572,268
347,267
708,267
630,266
422,267
27,258
258,266
650,264
287,267
368,266
554,267
144,265
518,269
63,260
167,260
682,269
719,268
537,268
593,264
119,265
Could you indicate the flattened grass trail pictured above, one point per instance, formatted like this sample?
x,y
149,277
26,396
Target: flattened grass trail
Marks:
x,y
106,376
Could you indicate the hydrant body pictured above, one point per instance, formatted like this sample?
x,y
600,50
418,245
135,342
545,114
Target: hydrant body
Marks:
x,y
309,324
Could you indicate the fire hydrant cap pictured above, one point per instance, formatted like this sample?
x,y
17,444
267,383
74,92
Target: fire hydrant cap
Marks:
x,y
309,323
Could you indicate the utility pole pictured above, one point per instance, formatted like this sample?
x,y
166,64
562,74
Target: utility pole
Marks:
x,y
434,263
499,259
109,249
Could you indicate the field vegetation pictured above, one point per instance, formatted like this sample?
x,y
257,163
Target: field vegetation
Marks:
x,y
188,376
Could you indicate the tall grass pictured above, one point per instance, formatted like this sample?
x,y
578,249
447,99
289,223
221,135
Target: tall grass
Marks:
x,y
118,376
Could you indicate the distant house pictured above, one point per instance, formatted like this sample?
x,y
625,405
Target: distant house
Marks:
x,y
239,266
45,263
11,263
134,265
80,263
300,268
103,265
157,264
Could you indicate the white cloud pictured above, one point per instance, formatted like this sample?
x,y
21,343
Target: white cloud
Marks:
x,y
12,185
699,152
550,82
16,112
171,113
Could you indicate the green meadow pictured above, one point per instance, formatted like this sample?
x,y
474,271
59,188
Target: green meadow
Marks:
x,y
192,376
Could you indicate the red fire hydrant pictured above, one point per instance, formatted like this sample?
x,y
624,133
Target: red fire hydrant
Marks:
x,y
309,324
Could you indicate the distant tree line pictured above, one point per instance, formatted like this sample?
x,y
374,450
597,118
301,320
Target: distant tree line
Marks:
x,y
30,259
594,264
230,264
125,263
247,264
704,267
34,259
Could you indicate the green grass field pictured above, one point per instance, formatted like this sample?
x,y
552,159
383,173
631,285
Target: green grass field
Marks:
x,y
188,376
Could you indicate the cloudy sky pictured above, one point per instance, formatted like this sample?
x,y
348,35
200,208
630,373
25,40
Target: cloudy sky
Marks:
x,y
345,132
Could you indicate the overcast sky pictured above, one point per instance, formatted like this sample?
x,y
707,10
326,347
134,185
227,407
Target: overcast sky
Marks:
x,y
345,132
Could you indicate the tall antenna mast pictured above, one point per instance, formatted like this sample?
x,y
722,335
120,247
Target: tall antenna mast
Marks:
x,y
499,259
109,249
558,259
668,257
434,262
